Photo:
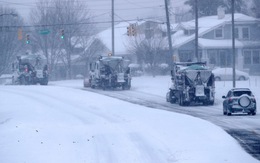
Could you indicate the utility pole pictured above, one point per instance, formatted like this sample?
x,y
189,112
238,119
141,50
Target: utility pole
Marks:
x,y
233,44
197,31
169,36
113,28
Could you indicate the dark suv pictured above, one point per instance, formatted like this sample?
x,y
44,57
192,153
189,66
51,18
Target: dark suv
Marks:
x,y
239,100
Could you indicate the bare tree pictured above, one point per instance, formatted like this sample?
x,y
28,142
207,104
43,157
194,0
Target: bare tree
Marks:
x,y
44,19
9,43
70,16
92,48
149,51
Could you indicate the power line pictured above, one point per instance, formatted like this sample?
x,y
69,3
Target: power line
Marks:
x,y
50,7
66,24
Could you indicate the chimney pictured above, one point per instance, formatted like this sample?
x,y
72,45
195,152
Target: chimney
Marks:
x,y
221,12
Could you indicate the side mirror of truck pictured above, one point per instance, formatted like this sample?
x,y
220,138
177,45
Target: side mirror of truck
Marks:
x,y
223,96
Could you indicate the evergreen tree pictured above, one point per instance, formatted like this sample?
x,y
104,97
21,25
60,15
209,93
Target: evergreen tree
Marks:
x,y
255,8
209,7
205,7
240,6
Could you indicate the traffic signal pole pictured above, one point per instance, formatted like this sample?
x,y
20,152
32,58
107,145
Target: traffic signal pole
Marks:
x,y
233,45
169,36
197,32
113,28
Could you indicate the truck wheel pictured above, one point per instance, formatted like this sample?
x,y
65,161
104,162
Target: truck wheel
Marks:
x,y
24,80
13,80
181,103
211,102
126,86
44,82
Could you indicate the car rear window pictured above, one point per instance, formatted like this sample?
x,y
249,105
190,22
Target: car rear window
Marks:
x,y
239,93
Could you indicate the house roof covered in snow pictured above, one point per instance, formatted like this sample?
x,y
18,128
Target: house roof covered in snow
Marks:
x,y
120,33
120,38
205,25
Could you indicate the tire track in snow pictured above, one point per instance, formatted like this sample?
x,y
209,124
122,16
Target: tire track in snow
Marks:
x,y
214,115
60,105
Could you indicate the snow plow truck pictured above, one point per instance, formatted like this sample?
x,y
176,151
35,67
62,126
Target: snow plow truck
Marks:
x,y
30,69
110,72
192,82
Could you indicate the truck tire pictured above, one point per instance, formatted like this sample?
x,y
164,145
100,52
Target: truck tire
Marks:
x,y
211,102
44,81
181,102
24,80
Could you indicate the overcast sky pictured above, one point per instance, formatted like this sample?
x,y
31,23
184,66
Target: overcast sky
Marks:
x,y
101,9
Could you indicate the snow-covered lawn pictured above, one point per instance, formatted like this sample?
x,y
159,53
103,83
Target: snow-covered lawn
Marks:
x,y
40,124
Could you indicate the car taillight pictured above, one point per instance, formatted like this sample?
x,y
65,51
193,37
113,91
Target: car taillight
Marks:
x,y
26,69
230,100
253,99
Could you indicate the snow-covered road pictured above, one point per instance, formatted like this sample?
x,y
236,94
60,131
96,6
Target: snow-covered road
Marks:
x,y
64,125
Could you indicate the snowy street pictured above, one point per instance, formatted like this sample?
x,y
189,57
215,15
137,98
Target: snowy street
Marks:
x,y
58,123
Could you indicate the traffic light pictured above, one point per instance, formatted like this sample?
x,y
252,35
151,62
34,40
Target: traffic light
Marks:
x,y
20,34
28,39
133,30
129,30
62,33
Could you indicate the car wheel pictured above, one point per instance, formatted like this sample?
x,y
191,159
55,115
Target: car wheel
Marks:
x,y
217,78
254,113
224,112
241,78
168,97
228,112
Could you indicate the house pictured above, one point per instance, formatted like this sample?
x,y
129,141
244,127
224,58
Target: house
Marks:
x,y
215,40
144,29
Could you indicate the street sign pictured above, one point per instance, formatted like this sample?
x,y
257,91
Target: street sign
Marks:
x,y
44,31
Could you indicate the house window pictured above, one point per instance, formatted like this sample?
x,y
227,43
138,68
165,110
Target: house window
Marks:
x,y
256,58
242,33
247,57
236,33
219,33
251,57
245,33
